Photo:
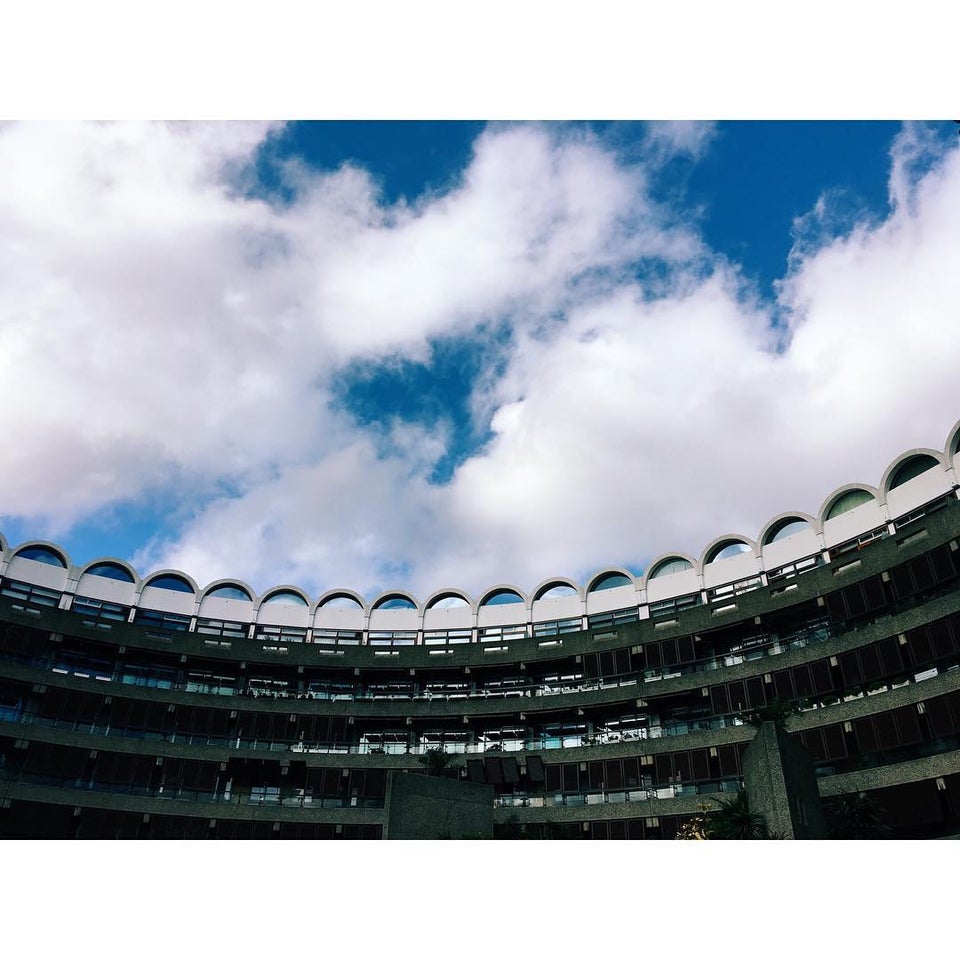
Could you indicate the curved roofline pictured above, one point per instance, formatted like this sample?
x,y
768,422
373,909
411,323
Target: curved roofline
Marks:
x,y
170,572
544,585
116,561
50,545
903,458
948,458
445,592
772,523
717,543
606,572
846,488
952,446
228,582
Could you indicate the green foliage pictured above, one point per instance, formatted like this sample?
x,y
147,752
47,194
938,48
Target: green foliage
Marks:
x,y
855,816
735,821
439,763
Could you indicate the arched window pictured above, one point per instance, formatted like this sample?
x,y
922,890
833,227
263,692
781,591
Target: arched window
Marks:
x,y
911,468
288,597
112,570
395,602
450,601
230,591
669,565
42,555
610,580
500,597
724,551
554,590
848,501
787,528
342,601
170,581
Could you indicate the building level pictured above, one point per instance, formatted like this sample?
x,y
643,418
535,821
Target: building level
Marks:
x,y
151,707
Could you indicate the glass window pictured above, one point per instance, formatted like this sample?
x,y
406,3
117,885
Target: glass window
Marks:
x,y
100,609
787,528
911,468
500,597
670,565
42,555
230,591
162,620
288,597
396,602
342,602
449,602
29,593
556,590
731,549
112,570
609,581
847,501
171,581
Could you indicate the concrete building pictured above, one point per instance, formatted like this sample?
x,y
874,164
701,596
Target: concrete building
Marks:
x,y
153,707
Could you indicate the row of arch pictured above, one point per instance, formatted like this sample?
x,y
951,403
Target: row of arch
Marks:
x,y
902,470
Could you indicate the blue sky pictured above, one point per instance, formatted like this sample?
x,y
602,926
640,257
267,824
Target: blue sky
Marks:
x,y
414,355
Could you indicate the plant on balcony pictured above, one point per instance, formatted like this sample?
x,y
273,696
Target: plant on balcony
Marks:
x,y
733,820
855,816
438,763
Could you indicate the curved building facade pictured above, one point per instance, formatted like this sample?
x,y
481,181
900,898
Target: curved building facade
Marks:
x,y
153,708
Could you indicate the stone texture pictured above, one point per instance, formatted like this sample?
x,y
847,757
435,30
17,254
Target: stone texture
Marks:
x,y
780,782
419,807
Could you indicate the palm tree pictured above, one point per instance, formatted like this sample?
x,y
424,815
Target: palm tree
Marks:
x,y
438,762
735,821
855,816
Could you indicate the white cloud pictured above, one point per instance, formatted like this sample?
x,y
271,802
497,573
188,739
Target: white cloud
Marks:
x,y
672,137
155,323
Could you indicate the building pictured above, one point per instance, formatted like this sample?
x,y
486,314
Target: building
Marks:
x,y
153,708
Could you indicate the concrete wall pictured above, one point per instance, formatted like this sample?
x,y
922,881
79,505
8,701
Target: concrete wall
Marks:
x,y
780,783
418,807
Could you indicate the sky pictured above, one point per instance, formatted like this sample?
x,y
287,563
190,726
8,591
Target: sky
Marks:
x,y
418,355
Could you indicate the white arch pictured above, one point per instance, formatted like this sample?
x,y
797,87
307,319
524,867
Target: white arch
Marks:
x,y
895,465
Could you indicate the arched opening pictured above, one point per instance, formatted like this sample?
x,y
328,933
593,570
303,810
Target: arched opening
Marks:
x,y
230,591
170,581
911,468
500,597
111,570
341,601
396,601
787,527
609,581
848,501
287,597
552,591
669,565
42,555
449,601
726,550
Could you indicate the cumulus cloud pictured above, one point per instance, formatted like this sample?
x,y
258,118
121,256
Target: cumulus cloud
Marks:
x,y
163,325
